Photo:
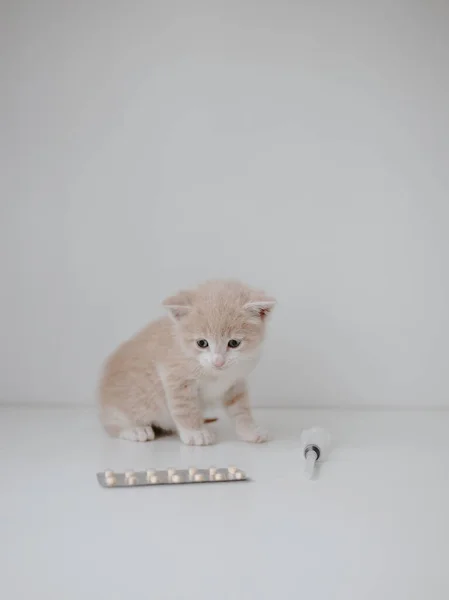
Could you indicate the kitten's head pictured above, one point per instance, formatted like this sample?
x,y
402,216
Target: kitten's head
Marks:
x,y
221,322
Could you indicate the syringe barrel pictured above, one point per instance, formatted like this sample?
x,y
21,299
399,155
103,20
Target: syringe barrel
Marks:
x,y
311,458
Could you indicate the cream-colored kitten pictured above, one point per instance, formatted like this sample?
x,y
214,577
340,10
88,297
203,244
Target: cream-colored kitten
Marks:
x,y
202,352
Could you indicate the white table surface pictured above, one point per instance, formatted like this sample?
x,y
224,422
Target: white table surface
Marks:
x,y
373,525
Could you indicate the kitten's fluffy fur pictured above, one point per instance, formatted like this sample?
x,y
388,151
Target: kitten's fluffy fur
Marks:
x,y
162,378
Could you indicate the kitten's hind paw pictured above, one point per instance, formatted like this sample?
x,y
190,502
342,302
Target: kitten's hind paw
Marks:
x,y
137,434
196,437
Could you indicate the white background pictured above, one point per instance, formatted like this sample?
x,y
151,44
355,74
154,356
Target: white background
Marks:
x,y
373,524
301,146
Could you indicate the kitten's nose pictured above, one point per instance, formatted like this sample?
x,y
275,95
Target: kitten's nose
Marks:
x,y
218,360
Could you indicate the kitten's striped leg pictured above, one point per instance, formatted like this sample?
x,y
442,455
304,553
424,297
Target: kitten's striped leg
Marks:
x,y
183,403
237,405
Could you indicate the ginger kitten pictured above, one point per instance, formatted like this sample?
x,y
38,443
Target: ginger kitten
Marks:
x,y
202,352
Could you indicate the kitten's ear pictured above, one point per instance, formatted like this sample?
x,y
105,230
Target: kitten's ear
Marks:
x,y
261,307
178,306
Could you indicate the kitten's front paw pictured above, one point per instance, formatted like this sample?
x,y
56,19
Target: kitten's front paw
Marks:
x,y
196,437
253,433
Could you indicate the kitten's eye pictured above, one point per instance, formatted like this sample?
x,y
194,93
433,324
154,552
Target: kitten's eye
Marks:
x,y
234,343
202,343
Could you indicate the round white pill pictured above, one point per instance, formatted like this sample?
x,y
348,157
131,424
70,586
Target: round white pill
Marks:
x,y
192,471
129,473
154,479
109,473
110,480
240,475
171,471
132,480
176,478
199,477
212,471
219,477
150,473
232,470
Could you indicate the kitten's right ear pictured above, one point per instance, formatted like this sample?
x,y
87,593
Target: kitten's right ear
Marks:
x,y
261,306
178,306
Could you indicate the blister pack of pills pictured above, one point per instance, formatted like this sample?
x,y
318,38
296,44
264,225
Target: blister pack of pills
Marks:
x,y
170,476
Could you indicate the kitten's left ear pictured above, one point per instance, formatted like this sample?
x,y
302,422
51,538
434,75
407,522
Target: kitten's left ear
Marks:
x,y
178,306
261,308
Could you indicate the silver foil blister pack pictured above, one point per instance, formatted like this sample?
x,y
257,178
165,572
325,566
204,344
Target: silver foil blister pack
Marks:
x,y
170,476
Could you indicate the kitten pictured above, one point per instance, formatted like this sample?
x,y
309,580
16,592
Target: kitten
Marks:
x,y
201,352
